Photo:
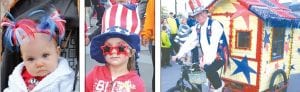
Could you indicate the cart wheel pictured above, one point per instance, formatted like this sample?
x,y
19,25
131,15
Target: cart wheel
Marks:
x,y
180,87
173,89
278,80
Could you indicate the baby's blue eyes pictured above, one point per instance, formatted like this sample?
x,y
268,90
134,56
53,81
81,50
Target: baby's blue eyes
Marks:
x,y
45,55
30,59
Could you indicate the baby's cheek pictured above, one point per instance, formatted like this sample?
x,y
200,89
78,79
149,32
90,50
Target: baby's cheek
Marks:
x,y
53,67
31,69
28,66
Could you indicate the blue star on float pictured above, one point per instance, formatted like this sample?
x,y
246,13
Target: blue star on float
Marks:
x,y
292,67
266,38
242,66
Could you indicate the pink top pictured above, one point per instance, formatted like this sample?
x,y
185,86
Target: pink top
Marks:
x,y
99,80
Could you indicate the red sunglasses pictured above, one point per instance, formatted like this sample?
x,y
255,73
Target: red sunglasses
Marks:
x,y
121,49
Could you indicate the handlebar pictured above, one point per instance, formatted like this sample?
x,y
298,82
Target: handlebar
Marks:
x,y
192,67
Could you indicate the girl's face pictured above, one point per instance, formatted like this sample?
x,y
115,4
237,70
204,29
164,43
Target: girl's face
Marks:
x,y
116,52
40,55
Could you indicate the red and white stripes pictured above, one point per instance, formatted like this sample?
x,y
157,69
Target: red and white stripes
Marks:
x,y
121,16
194,3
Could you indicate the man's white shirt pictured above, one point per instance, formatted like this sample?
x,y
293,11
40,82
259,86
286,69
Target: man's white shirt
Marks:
x,y
209,50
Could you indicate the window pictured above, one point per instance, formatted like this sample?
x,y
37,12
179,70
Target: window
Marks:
x,y
278,43
243,40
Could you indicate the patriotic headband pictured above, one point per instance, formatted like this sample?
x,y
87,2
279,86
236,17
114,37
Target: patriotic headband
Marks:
x,y
16,31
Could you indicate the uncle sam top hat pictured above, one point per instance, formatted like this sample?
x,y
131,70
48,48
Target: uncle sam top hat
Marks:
x,y
121,21
196,7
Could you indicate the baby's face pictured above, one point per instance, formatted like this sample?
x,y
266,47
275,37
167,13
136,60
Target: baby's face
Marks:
x,y
40,55
117,57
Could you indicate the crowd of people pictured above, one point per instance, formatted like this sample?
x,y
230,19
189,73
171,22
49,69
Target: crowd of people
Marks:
x,y
175,30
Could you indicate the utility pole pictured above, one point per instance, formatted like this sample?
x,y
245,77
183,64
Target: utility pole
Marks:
x,y
175,7
185,6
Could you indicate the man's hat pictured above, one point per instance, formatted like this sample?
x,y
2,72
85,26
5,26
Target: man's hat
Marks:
x,y
119,21
196,7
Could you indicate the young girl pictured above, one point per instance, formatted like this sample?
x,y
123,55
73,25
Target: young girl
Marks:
x,y
38,37
117,48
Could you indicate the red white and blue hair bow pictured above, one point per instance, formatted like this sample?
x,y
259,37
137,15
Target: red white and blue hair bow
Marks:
x,y
16,31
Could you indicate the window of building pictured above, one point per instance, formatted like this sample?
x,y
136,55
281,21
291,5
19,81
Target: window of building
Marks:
x,y
243,40
278,43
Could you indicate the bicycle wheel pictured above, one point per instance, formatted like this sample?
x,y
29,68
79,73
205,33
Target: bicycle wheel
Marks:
x,y
174,89
278,80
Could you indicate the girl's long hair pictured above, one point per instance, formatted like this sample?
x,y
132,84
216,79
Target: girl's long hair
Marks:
x,y
131,61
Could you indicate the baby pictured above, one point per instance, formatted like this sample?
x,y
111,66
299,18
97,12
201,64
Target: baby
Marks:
x,y
38,37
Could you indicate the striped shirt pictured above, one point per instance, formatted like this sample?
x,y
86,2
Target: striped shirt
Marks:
x,y
184,32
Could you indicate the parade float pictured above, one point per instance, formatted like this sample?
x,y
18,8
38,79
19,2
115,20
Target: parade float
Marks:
x,y
264,44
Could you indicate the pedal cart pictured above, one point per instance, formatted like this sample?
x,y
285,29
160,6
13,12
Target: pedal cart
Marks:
x,y
263,38
191,78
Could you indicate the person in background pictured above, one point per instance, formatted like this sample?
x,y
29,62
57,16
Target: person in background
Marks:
x,y
99,9
177,19
164,22
173,26
165,47
183,34
190,20
148,34
173,29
